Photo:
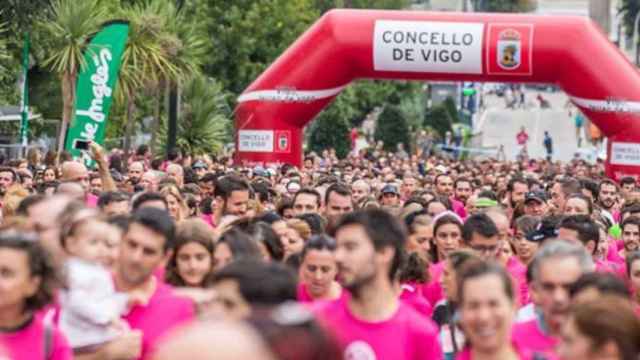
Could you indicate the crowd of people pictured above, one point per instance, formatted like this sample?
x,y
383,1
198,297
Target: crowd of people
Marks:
x,y
377,256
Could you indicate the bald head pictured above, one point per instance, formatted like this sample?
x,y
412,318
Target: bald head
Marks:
x,y
502,222
135,172
73,171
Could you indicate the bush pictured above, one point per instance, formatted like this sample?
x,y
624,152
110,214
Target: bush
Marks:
x,y
331,130
392,128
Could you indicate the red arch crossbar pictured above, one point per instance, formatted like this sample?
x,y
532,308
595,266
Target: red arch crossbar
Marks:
x,y
344,45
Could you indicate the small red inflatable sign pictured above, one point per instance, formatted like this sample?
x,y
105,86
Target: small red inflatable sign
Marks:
x,y
509,49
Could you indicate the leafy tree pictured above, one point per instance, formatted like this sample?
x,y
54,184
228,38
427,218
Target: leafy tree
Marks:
x,y
68,30
331,127
248,35
439,118
392,128
204,122
326,5
629,9
505,5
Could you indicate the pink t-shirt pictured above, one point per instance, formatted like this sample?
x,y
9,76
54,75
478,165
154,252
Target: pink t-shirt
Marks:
x,y
407,335
528,335
458,207
164,313
433,291
28,343
412,295
523,353
304,296
91,201
613,252
519,274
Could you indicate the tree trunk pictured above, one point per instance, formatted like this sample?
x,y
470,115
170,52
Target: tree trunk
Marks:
x,y
155,124
68,98
128,129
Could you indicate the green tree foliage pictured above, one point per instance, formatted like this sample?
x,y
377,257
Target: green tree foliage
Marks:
x,y
506,5
629,9
392,128
203,126
441,117
331,127
248,35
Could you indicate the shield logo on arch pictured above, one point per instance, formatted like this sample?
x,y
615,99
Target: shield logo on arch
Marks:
x,y
509,49
282,141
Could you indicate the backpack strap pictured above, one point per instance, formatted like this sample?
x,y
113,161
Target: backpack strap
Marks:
x,y
48,335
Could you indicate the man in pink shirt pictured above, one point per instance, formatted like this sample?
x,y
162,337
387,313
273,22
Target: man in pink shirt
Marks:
x,y
556,266
373,323
155,310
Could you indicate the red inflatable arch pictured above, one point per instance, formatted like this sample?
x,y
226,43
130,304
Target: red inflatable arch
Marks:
x,y
344,45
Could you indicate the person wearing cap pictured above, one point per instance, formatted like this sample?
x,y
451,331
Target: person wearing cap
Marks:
x,y
535,204
390,196
200,168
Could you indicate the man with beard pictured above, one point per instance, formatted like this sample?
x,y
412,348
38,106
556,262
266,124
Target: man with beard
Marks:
x,y
147,243
369,252
462,190
607,197
232,197
135,172
517,189
8,177
561,190
360,189
556,266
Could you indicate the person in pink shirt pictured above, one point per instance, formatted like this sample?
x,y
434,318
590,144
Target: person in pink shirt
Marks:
x,y
447,230
373,323
28,281
487,309
556,266
633,276
318,271
156,310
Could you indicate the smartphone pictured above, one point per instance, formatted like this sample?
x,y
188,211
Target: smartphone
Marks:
x,y
80,144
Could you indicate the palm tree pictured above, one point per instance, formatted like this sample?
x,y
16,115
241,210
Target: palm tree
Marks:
x,y
145,61
72,24
204,118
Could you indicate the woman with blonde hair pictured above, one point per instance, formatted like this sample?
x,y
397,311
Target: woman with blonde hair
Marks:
x,y
294,236
176,204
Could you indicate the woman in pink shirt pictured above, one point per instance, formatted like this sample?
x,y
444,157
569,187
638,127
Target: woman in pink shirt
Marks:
x,y
318,271
633,276
28,280
447,230
487,310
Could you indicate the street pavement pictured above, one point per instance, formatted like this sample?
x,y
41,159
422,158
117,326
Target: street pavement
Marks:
x,y
499,126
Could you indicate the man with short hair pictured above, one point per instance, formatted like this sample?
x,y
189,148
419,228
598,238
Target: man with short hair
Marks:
x,y
337,201
360,189
95,184
306,200
627,184
481,234
556,266
561,190
243,285
207,184
8,177
444,187
409,185
607,198
175,172
149,181
517,189
232,197
147,244
114,203
462,190
135,171
369,252
149,199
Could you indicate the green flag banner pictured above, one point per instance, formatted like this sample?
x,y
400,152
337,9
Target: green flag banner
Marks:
x,y
94,88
